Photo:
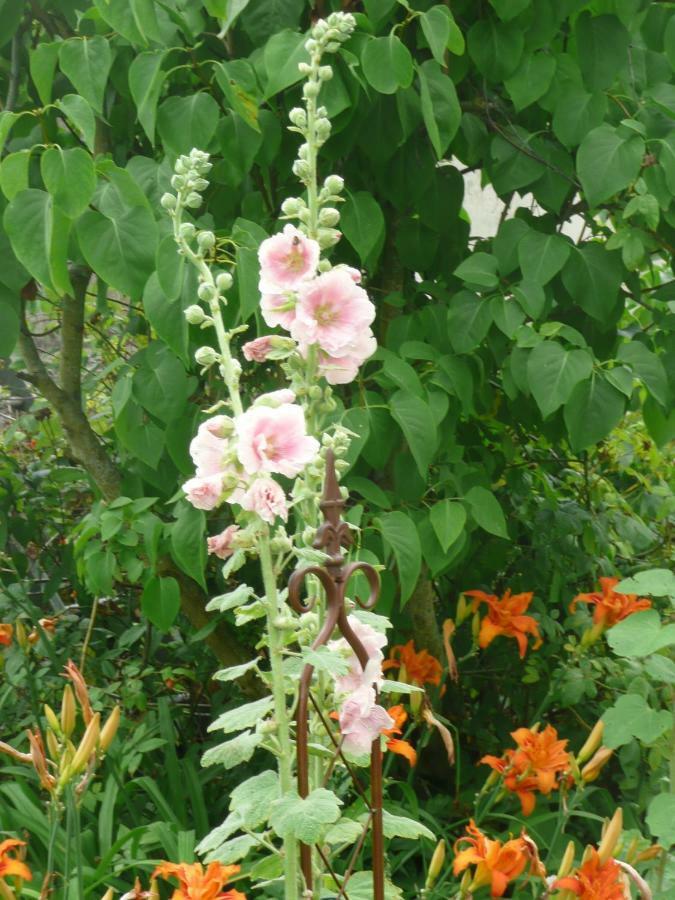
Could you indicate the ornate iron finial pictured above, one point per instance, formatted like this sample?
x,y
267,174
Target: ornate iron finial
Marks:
x,y
333,534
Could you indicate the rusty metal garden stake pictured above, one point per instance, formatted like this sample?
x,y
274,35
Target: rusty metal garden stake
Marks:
x,y
334,575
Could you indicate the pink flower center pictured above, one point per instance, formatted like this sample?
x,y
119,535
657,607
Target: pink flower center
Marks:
x,y
296,258
325,314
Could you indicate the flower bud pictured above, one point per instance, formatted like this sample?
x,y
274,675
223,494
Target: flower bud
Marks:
x,y
323,129
325,73
199,184
436,865
109,894
68,711
193,200
87,746
329,216
310,90
206,240
593,741
223,281
611,837
328,237
110,729
195,314
181,165
310,45
301,169
52,719
567,861
596,764
20,632
297,115
303,151
292,206
187,231
206,291
168,201
178,182
206,356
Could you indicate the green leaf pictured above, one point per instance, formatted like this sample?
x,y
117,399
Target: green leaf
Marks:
x,y
542,256
145,82
305,819
387,64
165,314
661,818
400,826
531,80
602,49
657,582
479,270
402,374
362,223
531,296
135,20
509,9
42,65
141,437
661,427
648,367
447,519
9,320
360,887
440,106
187,122
400,534
161,384
416,421
252,798
282,54
507,314
86,62
345,831
79,113
594,408
38,231
576,113
486,511
469,320
553,373
241,717
608,161
7,119
120,250
641,634
232,673
188,543
233,752
495,48
160,601
240,595
436,25
238,83
593,277
70,178
632,717
14,173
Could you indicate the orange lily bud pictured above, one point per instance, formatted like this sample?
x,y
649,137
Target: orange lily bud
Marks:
x,y
110,729
632,850
153,893
15,754
611,836
595,765
592,743
21,636
68,711
436,864
81,691
591,635
567,862
109,894
463,610
87,746
475,626
52,744
650,853
40,760
52,719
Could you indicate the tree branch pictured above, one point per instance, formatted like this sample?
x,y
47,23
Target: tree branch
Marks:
x,y
72,332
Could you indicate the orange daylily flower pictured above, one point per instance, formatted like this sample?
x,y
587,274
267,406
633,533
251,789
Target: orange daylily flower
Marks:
x,y
6,634
506,617
197,883
13,867
48,625
419,668
535,765
402,748
611,606
595,880
496,864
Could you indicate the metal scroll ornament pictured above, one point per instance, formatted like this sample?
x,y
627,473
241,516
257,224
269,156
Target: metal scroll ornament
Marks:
x,y
334,575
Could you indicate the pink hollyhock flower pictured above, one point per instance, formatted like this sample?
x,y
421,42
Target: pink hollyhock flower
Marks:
x,y
208,447
287,259
332,312
372,641
361,721
204,493
264,497
275,440
353,273
278,309
344,369
221,544
257,350
276,398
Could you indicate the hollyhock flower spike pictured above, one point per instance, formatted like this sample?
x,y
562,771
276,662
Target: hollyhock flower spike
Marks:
x,y
197,883
611,607
343,369
275,440
204,493
278,309
506,617
361,721
9,866
332,312
221,545
373,641
286,260
264,497
208,447
497,864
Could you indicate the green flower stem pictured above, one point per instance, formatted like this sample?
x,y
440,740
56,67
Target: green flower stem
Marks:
x,y
275,637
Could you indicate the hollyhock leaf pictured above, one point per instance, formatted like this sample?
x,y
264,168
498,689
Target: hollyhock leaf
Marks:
x,y
79,113
658,582
362,223
38,231
594,408
305,819
389,686
223,602
360,887
661,818
86,62
235,849
632,717
345,831
234,672
70,178
641,634
324,659
542,256
400,535
608,161
440,107
447,519
387,64
660,669
239,718
160,601
486,511
188,543
234,752
416,421
401,826
553,373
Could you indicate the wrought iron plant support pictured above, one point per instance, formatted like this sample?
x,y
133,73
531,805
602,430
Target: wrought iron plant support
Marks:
x,y
334,575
